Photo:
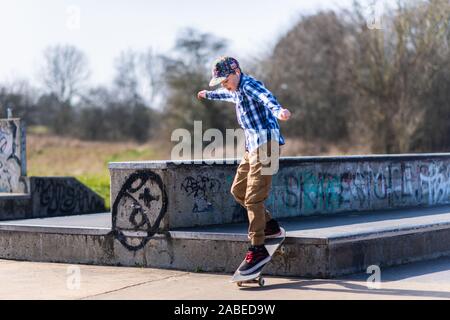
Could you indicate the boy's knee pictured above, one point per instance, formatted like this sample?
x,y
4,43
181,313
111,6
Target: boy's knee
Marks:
x,y
233,191
236,195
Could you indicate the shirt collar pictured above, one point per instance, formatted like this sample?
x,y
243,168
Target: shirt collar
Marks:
x,y
241,81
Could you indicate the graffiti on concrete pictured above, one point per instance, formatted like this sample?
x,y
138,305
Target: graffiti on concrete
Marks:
x,y
363,187
11,179
201,189
57,196
139,208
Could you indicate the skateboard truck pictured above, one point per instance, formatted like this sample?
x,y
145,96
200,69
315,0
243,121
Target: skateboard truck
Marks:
x,y
260,281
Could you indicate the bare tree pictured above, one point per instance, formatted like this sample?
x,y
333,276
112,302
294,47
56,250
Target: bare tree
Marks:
x,y
393,68
188,71
65,71
307,74
151,70
126,79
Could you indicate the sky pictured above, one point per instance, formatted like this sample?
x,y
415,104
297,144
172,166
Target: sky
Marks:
x,y
104,28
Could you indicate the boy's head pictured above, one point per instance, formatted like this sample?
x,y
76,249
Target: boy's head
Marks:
x,y
226,71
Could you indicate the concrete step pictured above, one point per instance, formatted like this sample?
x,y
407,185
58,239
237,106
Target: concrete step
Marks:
x,y
323,229
8,195
93,220
318,247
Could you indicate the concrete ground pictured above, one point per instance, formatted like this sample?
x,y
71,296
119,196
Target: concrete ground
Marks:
x,y
32,280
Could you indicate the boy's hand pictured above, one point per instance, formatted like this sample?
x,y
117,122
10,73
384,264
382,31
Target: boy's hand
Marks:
x,y
201,94
284,115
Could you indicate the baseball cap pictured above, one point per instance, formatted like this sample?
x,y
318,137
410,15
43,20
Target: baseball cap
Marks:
x,y
222,68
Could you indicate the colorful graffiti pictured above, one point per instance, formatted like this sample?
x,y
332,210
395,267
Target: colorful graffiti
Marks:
x,y
362,187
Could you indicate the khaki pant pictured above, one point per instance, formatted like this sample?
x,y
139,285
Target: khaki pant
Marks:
x,y
251,188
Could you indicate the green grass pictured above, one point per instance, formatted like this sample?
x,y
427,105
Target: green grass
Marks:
x,y
49,155
38,130
135,154
98,183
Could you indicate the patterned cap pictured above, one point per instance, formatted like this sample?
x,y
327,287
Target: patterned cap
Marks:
x,y
222,68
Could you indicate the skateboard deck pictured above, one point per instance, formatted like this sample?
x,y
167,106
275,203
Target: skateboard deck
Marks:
x,y
255,277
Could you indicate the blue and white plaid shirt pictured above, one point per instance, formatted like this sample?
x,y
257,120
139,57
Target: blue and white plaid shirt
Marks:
x,y
257,111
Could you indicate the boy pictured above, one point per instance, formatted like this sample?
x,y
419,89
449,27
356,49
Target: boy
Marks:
x,y
257,112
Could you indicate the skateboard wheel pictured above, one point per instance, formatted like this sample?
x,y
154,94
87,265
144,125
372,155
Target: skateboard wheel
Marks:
x,y
239,284
261,282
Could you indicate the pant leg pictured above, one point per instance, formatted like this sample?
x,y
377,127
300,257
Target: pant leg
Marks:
x,y
239,186
268,214
258,188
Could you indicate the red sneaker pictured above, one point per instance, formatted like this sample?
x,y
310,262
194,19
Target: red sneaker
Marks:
x,y
256,257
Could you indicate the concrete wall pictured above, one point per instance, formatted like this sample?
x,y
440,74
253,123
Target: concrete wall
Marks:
x,y
60,196
15,206
13,156
145,195
50,197
296,257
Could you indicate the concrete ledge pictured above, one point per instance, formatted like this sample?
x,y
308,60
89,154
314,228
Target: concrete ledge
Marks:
x,y
14,196
56,230
175,194
165,164
314,247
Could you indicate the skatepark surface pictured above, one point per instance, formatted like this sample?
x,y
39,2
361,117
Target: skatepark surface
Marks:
x,y
34,280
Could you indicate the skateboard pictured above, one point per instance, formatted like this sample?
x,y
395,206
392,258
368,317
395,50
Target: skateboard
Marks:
x,y
256,277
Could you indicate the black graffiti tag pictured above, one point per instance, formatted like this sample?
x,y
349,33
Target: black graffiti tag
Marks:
x,y
142,198
3,143
65,196
199,188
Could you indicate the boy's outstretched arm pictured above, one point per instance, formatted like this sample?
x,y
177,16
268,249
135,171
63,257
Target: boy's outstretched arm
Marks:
x,y
219,94
258,92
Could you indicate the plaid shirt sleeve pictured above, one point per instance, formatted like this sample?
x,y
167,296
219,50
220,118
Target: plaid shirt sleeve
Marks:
x,y
258,92
220,94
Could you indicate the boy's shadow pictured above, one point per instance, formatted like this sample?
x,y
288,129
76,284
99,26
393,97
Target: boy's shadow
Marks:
x,y
356,284
348,287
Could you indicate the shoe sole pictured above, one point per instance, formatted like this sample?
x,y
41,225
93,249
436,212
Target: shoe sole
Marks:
x,y
276,235
255,267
